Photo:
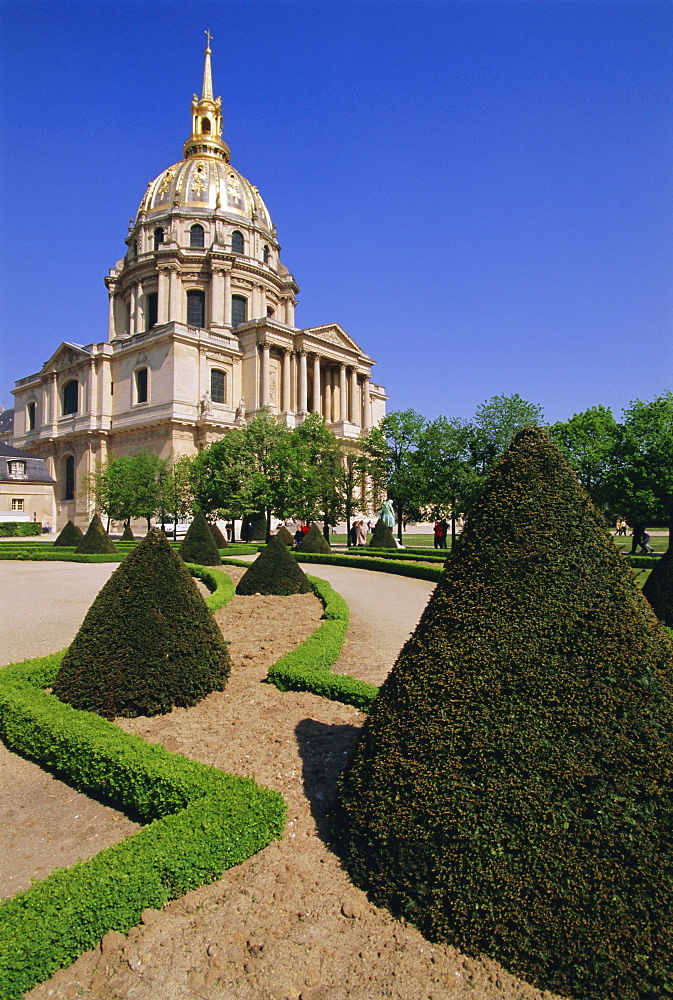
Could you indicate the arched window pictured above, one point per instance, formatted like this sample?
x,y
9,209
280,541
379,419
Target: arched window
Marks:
x,y
218,386
239,310
32,416
196,308
236,242
158,237
205,126
152,310
196,234
141,385
266,254
269,311
69,477
70,397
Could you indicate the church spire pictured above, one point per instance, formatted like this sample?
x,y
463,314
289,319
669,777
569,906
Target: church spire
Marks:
x,y
207,89
206,138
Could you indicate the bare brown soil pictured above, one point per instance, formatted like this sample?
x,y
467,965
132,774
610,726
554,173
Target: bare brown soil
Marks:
x,y
287,924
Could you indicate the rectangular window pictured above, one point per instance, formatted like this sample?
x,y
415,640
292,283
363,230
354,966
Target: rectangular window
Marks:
x,y
32,413
196,308
141,385
16,470
217,386
152,310
17,504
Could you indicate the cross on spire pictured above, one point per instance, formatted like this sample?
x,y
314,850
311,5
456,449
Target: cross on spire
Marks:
x,y
208,36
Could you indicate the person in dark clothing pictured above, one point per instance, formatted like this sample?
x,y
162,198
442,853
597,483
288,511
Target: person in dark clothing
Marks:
x,y
354,533
247,531
298,537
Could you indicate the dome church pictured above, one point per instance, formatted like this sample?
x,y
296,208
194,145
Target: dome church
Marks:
x,y
201,333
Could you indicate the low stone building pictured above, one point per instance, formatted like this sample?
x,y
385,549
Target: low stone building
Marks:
x,y
201,333
26,488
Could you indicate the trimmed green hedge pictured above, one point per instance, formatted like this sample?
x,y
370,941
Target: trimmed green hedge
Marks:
x,y
382,565
308,667
9,529
404,555
201,822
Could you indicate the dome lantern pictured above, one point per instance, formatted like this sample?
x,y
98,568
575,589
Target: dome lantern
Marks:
x,y
206,138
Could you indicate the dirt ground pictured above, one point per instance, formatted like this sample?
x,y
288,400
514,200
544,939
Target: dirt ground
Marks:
x,y
287,924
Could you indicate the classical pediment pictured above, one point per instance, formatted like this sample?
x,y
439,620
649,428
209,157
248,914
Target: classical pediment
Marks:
x,y
332,333
65,356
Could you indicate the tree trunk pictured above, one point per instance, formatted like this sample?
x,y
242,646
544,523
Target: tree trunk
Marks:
x,y
453,527
399,525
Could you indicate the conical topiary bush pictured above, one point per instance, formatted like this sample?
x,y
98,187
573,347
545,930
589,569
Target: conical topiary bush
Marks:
x,y
658,588
127,534
285,536
70,534
382,536
315,541
96,541
512,790
198,545
274,571
219,539
147,643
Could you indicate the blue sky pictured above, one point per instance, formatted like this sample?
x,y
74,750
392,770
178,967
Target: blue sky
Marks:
x,y
481,194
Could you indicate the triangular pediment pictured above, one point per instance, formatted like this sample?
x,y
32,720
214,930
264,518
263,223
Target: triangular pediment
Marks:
x,y
332,333
65,356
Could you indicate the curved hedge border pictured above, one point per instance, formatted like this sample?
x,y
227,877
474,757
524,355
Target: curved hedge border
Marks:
x,y
201,822
308,667
412,569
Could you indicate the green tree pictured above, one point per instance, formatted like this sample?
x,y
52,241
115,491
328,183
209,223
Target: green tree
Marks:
x,y
642,470
318,474
389,451
220,477
495,423
588,440
129,486
450,481
175,487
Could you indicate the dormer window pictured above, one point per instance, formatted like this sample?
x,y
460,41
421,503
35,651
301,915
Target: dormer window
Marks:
x,y
16,470
70,397
158,237
196,236
236,242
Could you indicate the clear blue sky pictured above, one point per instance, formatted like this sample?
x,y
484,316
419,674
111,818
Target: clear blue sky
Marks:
x,y
481,194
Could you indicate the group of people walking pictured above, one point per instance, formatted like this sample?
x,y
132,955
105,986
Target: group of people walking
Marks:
x,y
358,535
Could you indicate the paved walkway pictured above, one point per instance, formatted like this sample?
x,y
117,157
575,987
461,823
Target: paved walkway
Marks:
x,y
43,605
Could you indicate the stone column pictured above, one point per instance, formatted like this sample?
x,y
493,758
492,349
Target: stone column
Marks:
x,y
217,297
302,384
367,421
53,399
355,409
140,310
173,290
343,400
134,308
327,396
227,298
287,360
264,376
111,315
316,383
289,311
90,388
162,295
262,301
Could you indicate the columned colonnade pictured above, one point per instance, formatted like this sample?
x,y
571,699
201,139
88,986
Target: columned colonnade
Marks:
x,y
337,391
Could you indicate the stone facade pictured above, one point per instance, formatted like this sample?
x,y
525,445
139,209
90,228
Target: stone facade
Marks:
x,y
26,488
201,333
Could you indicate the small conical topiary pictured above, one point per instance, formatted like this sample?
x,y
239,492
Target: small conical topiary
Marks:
x,y
147,643
274,571
285,535
382,536
512,789
127,535
198,545
219,539
658,588
315,541
96,541
70,534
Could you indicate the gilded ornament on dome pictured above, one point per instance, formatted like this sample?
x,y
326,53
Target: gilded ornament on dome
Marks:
x,y
165,182
199,179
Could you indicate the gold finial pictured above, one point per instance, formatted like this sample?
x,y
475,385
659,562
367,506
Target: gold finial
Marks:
x,y
207,90
209,37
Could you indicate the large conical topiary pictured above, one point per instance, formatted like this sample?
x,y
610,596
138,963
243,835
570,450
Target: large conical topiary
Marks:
x,y
382,536
512,790
198,545
285,535
147,643
274,571
127,534
96,541
70,534
658,588
219,539
315,541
